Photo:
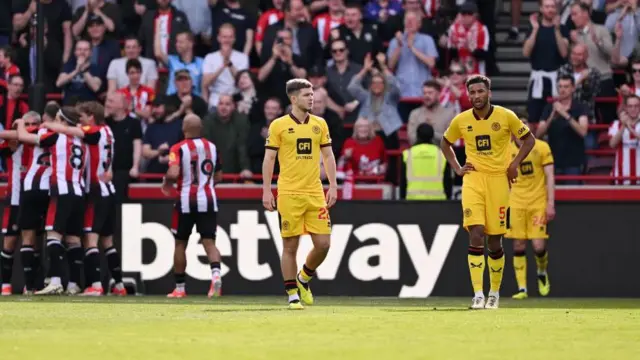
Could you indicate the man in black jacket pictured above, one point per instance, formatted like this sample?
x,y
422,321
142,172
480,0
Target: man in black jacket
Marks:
x,y
305,44
166,19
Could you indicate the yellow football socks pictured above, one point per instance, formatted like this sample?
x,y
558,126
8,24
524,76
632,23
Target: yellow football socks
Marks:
x,y
520,267
496,269
542,260
475,260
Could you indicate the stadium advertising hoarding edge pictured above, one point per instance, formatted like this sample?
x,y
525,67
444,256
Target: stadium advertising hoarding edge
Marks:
x,y
383,248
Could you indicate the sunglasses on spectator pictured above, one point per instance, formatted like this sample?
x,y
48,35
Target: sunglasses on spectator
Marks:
x,y
467,13
338,50
634,70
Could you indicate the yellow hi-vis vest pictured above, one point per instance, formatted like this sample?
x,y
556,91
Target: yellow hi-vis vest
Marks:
x,y
425,168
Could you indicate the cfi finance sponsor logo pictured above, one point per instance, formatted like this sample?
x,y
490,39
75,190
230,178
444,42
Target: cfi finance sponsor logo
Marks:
x,y
251,236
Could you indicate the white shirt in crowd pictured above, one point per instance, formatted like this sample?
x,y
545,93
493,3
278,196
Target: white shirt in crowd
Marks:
x,y
118,71
627,161
225,83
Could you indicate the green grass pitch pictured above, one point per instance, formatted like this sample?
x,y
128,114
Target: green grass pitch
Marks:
x,y
234,327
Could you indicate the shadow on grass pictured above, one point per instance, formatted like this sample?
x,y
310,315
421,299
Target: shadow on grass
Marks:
x,y
243,310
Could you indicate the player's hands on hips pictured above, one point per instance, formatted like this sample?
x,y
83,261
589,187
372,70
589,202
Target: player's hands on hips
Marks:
x,y
512,173
268,201
468,167
332,196
551,212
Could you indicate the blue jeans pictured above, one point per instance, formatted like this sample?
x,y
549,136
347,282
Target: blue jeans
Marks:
x,y
569,170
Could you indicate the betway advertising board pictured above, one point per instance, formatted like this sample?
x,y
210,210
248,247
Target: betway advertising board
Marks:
x,y
383,248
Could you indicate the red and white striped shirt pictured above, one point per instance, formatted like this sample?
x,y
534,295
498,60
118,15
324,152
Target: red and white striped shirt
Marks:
x,y
99,140
267,18
67,163
39,173
627,159
14,155
324,23
466,41
140,98
431,7
198,160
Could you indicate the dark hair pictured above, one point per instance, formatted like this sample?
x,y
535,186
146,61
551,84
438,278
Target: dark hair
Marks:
x,y
424,133
433,84
248,72
635,61
568,78
286,6
70,115
51,110
632,96
478,79
582,6
273,98
132,37
188,33
94,109
353,5
133,64
9,52
333,41
295,85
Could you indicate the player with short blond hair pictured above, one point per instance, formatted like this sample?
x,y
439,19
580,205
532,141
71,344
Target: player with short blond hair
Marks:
x,y
298,139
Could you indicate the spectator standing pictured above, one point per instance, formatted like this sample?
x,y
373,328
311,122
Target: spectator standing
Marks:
x,y
109,13
57,14
282,65
138,97
361,38
103,51
259,131
7,63
454,92
198,13
587,79
184,99
627,17
623,137
334,123
546,46
304,44
328,21
27,52
127,133
163,132
380,105
246,97
11,106
230,12
228,129
339,75
363,153
77,4
634,88
413,56
185,59
220,68
468,40
431,112
598,41
79,79
117,73
267,19
166,20
380,10
566,122
429,23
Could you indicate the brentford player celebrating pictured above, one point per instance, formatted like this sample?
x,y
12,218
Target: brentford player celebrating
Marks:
x,y
66,205
195,166
17,157
99,216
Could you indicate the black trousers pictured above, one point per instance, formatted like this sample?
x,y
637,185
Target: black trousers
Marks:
x,y
392,142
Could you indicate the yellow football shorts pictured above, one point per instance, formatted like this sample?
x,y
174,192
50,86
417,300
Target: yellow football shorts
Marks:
x,y
485,201
303,214
527,224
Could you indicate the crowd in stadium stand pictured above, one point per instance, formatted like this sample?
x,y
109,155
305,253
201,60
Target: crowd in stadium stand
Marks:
x,y
380,68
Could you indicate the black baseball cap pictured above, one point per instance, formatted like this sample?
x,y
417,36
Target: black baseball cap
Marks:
x,y
316,71
469,7
94,19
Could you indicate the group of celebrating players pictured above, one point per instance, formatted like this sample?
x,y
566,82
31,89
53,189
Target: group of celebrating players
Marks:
x,y
500,149
59,187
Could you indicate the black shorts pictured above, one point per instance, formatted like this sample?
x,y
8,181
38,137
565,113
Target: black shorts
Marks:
x,y
100,215
65,215
10,220
33,209
182,224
